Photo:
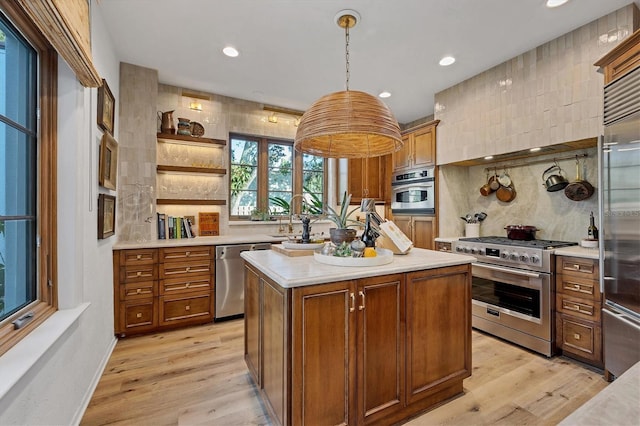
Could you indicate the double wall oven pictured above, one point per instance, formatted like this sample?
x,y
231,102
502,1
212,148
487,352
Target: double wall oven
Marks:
x,y
413,192
512,289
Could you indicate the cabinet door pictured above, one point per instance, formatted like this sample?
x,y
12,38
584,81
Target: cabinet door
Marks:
x,y
405,224
424,147
366,178
356,178
252,331
137,315
323,359
402,158
424,232
438,329
275,346
380,356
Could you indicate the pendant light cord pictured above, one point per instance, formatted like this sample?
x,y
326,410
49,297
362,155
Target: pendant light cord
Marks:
x,y
346,37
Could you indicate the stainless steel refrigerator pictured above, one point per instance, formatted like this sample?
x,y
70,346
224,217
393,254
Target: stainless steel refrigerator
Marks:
x,y
620,222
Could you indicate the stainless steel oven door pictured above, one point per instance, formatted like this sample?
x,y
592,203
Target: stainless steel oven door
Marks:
x,y
513,304
415,197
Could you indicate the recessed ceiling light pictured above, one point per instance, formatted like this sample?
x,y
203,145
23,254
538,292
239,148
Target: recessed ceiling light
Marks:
x,y
231,52
447,60
384,94
555,3
535,149
489,157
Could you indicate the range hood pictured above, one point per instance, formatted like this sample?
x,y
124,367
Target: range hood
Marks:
x,y
526,153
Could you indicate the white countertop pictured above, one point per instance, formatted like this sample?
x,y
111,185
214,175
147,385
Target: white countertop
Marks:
x,y
200,241
291,272
446,239
577,251
617,404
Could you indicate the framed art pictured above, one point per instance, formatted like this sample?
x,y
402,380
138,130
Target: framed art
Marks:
x,y
106,216
106,108
108,169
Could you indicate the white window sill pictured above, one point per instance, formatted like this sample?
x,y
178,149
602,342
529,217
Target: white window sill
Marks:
x,y
18,360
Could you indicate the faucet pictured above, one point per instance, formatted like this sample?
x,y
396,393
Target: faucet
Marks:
x,y
291,210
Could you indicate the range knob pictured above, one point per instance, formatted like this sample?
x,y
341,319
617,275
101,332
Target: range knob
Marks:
x,y
474,250
504,255
459,249
466,250
524,257
535,259
514,256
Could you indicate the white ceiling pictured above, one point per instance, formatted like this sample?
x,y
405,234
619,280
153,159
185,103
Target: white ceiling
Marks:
x,y
292,52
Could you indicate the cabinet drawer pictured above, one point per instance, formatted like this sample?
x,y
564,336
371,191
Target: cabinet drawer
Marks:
x,y
138,257
581,338
192,308
180,254
138,290
578,286
577,266
138,315
186,268
582,308
186,283
138,273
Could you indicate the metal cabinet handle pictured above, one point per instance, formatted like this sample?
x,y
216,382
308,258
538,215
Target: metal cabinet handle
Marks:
x,y
361,307
188,268
188,253
138,257
187,308
139,273
138,290
353,302
139,315
187,285
576,336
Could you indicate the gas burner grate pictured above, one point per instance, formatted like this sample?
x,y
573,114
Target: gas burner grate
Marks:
x,y
542,244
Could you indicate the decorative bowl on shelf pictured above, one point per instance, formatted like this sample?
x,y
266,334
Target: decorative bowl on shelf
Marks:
x,y
383,257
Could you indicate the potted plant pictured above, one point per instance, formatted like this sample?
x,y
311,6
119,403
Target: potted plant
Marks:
x,y
342,232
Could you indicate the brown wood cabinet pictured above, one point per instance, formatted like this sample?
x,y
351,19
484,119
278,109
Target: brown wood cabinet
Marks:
x,y
420,229
578,307
419,148
366,178
372,350
623,58
162,288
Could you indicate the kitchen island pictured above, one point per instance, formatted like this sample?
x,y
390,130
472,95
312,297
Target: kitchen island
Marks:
x,y
328,344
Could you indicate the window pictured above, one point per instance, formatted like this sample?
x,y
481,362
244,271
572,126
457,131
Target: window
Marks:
x,y
27,176
266,173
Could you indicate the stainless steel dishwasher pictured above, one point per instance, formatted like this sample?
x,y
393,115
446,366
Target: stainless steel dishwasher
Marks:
x,y
230,279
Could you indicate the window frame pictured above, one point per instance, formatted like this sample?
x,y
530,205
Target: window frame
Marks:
x,y
263,167
46,302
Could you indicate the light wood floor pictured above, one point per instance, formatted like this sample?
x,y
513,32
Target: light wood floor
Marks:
x,y
197,375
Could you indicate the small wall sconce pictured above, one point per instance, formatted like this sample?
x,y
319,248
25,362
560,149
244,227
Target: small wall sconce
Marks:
x,y
196,106
272,118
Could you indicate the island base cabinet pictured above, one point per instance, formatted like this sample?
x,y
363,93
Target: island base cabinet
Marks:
x,y
375,350
323,364
442,355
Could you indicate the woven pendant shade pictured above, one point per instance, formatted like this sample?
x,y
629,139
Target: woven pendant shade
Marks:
x,y
348,124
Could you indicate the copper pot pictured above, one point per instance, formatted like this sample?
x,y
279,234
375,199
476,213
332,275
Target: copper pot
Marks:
x,y
521,232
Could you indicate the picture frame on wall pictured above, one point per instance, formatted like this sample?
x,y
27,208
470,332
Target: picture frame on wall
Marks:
x,y
106,108
108,167
106,216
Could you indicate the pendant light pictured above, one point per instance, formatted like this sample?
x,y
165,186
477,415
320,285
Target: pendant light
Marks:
x,y
348,124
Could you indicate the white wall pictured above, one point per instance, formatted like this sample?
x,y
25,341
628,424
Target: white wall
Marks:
x,y
57,387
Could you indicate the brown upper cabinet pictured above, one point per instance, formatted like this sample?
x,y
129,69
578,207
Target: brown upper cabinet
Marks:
x,y
367,178
419,148
622,59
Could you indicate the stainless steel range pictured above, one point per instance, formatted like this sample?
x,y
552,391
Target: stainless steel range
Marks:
x,y
512,291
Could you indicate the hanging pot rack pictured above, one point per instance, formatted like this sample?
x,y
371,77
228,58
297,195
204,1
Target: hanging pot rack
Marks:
x,y
529,163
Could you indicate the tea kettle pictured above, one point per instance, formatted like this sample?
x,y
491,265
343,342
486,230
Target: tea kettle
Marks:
x,y
555,182
166,122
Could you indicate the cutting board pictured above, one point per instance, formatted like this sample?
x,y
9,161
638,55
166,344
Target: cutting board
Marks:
x,y
290,252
